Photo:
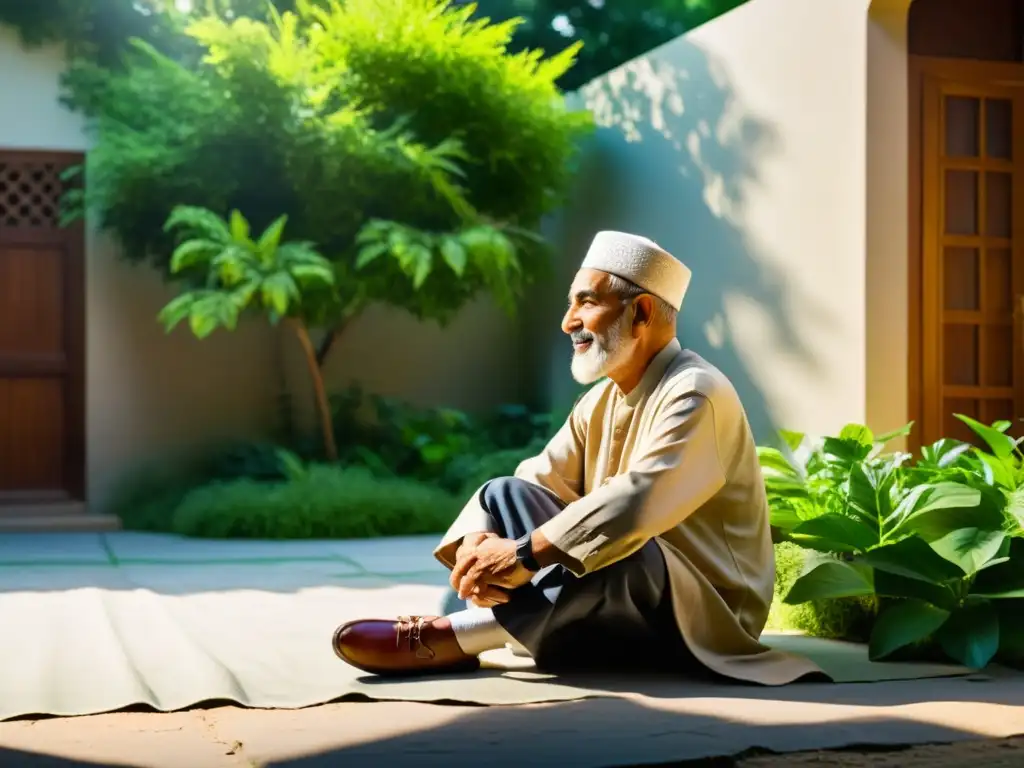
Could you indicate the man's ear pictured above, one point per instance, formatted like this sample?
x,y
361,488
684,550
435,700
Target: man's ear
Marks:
x,y
643,310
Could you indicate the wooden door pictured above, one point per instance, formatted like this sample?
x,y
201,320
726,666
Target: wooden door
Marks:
x,y
972,241
42,419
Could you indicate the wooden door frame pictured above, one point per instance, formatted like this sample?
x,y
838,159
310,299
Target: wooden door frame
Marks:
x,y
963,71
72,239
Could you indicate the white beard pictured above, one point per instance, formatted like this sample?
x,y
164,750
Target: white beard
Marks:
x,y
604,354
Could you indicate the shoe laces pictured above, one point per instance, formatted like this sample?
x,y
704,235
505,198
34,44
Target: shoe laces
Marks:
x,y
410,632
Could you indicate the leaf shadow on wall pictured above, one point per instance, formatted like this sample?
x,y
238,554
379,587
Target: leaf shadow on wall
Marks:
x,y
674,158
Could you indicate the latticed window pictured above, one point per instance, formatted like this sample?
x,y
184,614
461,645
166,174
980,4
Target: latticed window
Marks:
x,y
30,193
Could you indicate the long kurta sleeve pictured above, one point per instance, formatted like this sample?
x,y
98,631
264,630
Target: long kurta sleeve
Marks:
x,y
676,471
559,468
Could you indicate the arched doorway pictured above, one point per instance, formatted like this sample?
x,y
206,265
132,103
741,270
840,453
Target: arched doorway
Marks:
x,y
967,213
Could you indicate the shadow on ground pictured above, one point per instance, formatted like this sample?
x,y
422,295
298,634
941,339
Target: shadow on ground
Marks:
x,y
15,758
618,733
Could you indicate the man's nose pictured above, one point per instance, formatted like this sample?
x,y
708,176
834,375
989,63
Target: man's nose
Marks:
x,y
570,322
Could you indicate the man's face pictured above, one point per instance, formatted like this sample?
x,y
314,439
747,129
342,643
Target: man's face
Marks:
x,y
600,327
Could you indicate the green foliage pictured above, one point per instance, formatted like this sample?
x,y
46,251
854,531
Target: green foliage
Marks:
x,y
94,29
839,619
235,272
442,446
939,539
419,156
612,32
323,502
147,497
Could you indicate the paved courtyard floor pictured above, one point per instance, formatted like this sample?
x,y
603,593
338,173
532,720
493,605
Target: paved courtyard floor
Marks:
x,y
72,606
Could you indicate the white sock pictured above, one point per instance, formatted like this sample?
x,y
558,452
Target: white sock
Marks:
x,y
476,630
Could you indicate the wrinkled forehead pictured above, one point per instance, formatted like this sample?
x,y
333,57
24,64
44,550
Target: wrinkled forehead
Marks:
x,y
589,282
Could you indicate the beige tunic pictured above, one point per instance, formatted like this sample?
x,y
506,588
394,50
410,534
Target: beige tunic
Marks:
x,y
675,460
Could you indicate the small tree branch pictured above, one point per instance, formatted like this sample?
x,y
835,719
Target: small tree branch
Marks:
x,y
325,346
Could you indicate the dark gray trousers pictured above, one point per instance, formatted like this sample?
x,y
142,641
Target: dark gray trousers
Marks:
x,y
617,617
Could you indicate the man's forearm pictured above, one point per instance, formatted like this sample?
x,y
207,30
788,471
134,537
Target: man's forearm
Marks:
x,y
546,553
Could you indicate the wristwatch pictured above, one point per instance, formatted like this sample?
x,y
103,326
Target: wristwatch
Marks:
x,y
524,553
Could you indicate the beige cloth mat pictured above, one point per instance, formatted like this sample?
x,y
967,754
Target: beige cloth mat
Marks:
x,y
258,634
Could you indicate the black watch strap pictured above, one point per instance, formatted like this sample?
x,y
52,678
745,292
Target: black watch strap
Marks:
x,y
524,553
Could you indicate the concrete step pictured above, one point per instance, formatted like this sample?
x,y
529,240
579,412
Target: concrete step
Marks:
x,y
60,524
70,517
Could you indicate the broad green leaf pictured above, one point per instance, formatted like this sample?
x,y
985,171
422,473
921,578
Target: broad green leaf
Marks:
x,y
970,548
278,292
176,311
192,252
1002,426
870,495
845,451
243,295
932,511
944,452
1002,445
784,518
1004,577
857,433
774,460
836,533
370,253
203,324
455,255
199,220
271,238
971,635
239,227
912,558
997,471
233,265
1008,594
903,431
903,624
793,440
1015,506
891,585
829,580
423,265
323,275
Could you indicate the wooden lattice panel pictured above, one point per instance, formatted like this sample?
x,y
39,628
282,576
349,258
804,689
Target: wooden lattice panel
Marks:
x,y
30,194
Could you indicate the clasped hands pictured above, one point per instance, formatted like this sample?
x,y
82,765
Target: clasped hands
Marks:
x,y
486,569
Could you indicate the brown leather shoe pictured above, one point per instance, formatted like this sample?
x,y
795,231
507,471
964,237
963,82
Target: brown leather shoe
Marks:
x,y
411,645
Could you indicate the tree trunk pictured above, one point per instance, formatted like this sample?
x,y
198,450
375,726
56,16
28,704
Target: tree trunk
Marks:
x,y
323,406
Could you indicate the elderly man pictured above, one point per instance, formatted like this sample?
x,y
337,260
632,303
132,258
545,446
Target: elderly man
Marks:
x,y
638,537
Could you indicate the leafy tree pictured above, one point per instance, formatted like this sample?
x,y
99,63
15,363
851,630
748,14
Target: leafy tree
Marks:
x,y
96,29
418,156
612,31
229,273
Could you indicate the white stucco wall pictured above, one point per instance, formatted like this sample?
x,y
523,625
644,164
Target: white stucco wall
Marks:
x,y
742,148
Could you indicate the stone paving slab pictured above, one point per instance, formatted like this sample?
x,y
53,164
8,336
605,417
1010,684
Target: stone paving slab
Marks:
x,y
130,546
64,548
404,555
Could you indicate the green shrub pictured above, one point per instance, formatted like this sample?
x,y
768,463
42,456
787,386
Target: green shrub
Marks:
x,y
147,497
844,619
470,472
935,541
325,502
442,446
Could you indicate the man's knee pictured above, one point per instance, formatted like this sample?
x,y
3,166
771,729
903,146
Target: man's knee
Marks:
x,y
503,491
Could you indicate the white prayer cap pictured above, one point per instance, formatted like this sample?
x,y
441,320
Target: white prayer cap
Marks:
x,y
642,262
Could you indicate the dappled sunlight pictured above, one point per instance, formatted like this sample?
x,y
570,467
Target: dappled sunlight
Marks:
x,y
678,157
